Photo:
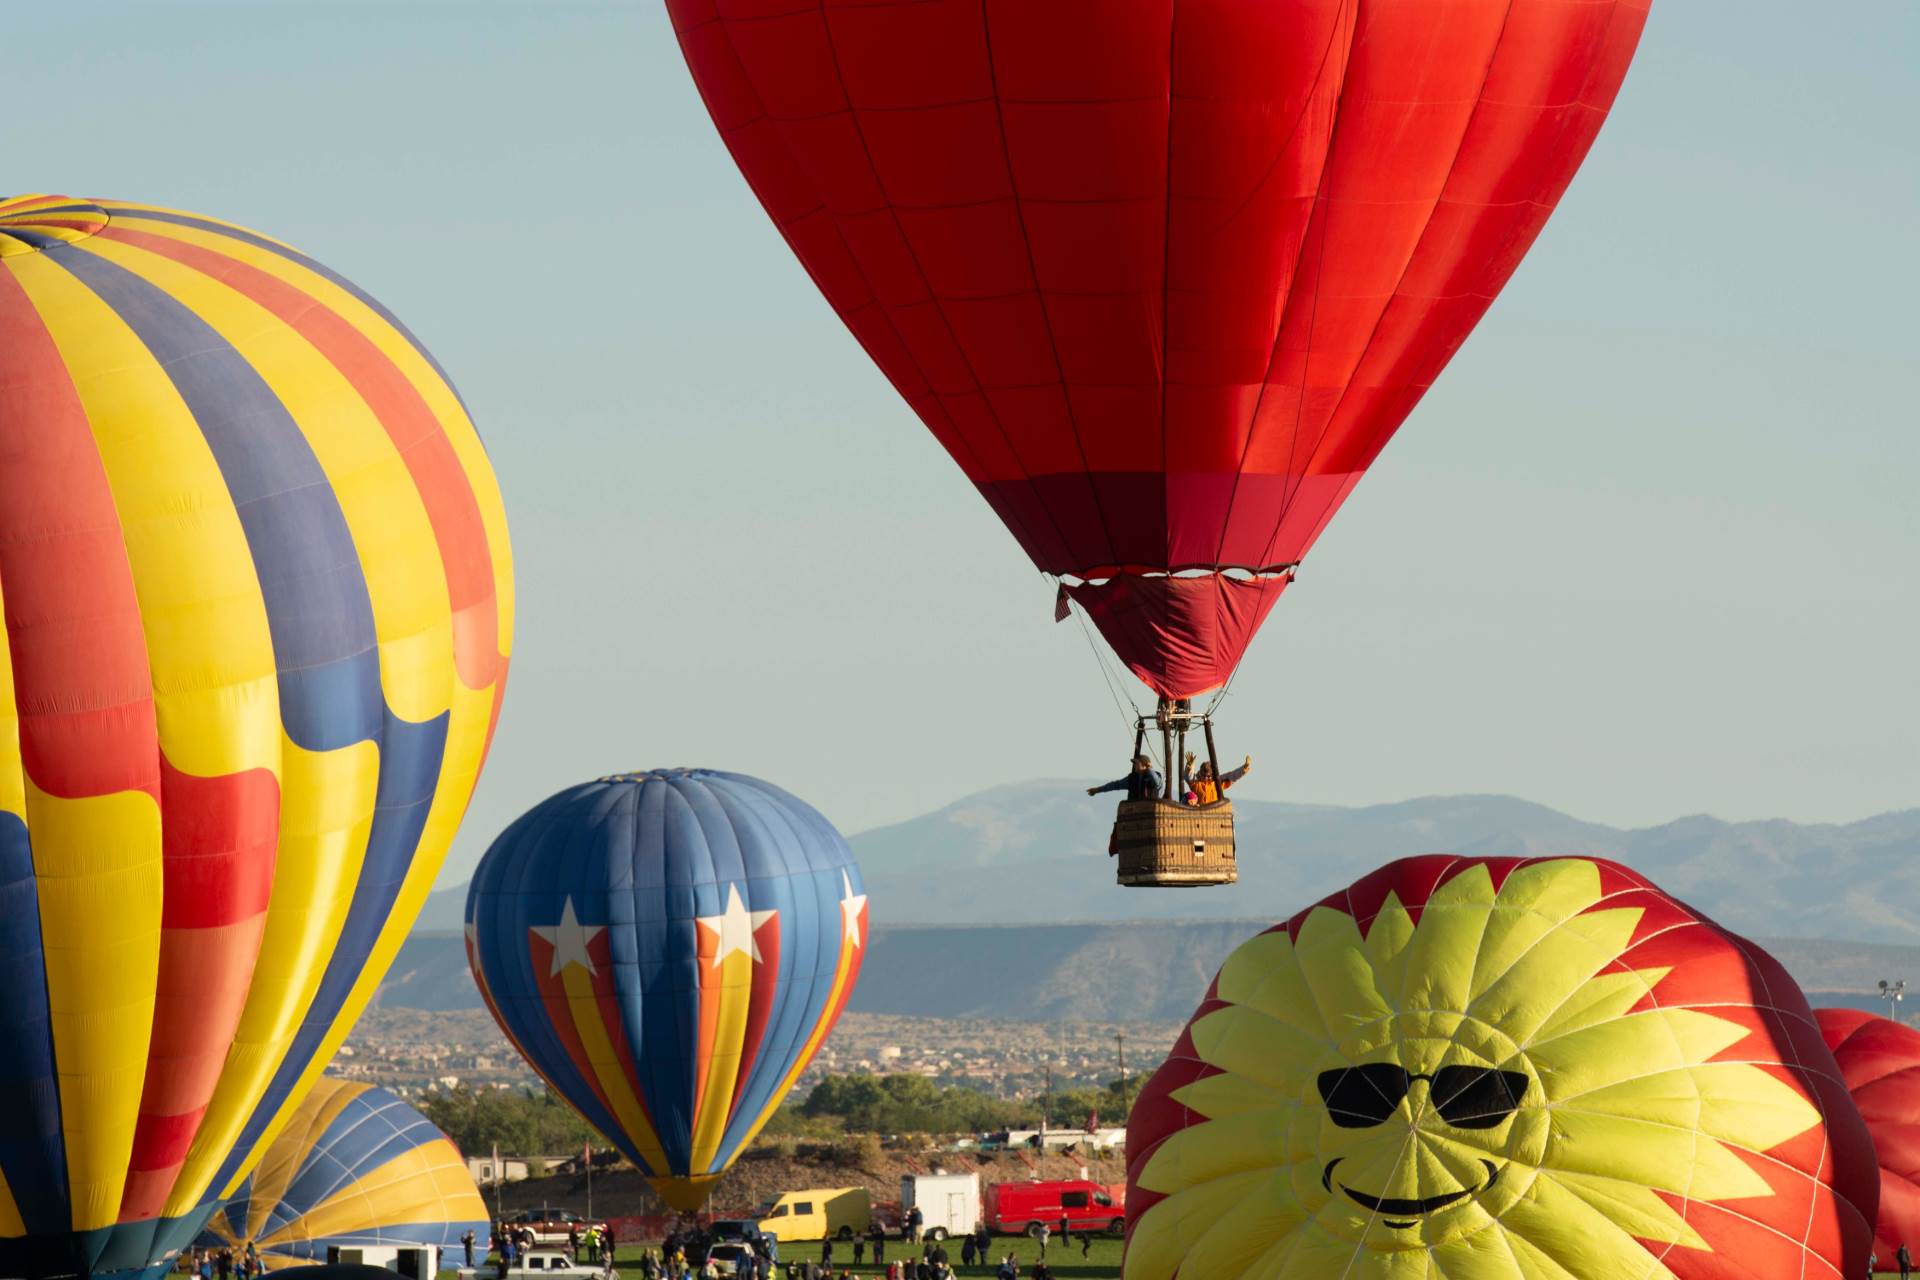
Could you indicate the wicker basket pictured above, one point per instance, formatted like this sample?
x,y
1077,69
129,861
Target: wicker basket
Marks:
x,y
1168,845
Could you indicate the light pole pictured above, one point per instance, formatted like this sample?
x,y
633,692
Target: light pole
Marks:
x,y
1893,993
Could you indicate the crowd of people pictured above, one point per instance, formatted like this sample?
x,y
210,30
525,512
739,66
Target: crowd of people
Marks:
x,y
687,1253
1198,786
508,1245
224,1264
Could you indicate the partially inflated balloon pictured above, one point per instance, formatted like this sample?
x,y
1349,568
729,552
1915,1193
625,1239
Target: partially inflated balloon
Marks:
x,y
669,950
1880,1062
1497,1069
1162,276
354,1166
257,596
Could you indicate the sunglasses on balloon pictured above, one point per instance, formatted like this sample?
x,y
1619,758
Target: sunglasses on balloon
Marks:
x,y
1466,1097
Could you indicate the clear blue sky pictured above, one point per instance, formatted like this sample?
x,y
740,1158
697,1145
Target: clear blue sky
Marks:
x,y
1649,549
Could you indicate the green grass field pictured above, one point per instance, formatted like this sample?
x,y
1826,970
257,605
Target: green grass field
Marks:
x,y
1102,1262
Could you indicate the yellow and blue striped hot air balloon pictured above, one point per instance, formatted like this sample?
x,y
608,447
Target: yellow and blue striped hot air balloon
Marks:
x,y
258,602
354,1166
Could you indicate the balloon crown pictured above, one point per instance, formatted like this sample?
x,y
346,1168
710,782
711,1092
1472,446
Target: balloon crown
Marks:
x,y
656,775
31,223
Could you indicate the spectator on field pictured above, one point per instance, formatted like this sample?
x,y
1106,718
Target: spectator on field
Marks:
x,y
1009,1269
966,1250
1904,1261
1044,1234
877,1236
859,1251
915,1219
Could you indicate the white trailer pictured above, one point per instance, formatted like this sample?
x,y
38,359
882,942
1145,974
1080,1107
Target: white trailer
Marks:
x,y
949,1203
415,1261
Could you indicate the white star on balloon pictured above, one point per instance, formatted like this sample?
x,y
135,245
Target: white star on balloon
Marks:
x,y
734,927
570,939
851,905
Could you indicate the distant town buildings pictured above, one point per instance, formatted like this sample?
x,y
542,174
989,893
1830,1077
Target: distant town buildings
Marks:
x,y
415,1053
485,1171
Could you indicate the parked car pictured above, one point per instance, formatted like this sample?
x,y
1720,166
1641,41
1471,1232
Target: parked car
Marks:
x,y
746,1231
550,1226
1017,1208
727,1256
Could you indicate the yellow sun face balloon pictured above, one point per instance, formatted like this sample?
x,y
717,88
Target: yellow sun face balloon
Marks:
x,y
1498,1068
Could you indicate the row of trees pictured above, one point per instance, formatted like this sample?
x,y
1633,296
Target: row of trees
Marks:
x,y
518,1122
524,1123
914,1104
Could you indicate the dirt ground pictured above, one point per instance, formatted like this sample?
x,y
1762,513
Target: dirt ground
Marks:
x,y
765,1172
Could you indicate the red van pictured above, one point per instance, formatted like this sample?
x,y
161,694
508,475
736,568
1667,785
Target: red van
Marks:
x,y
1014,1208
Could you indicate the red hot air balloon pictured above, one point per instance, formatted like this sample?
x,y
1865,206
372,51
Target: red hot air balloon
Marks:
x,y
1163,276
1880,1062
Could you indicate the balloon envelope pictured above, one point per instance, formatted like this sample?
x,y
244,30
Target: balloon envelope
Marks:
x,y
1880,1062
354,1166
1497,1068
668,950
1162,276
257,606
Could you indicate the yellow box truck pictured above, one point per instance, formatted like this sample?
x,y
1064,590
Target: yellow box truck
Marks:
x,y
839,1212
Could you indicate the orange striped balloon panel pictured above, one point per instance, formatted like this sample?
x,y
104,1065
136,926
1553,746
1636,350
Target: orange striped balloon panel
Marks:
x,y
258,604
354,1166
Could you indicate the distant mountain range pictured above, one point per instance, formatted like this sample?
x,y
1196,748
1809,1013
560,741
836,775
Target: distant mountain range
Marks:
x,y
1139,971
1033,855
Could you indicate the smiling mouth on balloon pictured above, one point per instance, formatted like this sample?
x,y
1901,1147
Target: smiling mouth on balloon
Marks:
x,y
1401,1213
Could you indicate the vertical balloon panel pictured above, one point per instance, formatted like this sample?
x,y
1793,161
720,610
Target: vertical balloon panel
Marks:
x,y
669,950
258,608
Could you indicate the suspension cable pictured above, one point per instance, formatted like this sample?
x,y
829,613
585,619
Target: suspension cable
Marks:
x,y
1115,689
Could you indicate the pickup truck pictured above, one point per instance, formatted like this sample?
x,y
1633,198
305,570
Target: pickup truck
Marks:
x,y
537,1262
549,1226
